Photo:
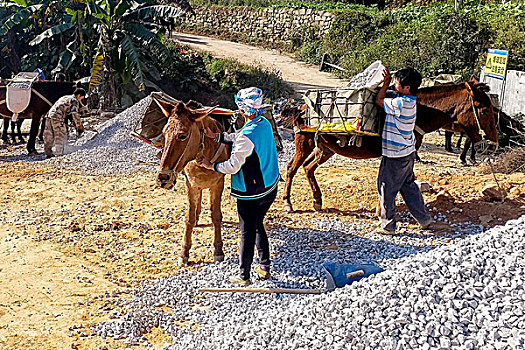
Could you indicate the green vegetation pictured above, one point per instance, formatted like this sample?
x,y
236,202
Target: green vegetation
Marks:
x,y
119,45
118,41
433,39
290,4
231,76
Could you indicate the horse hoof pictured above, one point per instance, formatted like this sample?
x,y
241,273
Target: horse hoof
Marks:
x,y
288,208
33,153
183,261
218,258
317,207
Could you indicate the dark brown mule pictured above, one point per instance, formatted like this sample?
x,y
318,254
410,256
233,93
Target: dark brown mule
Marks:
x,y
437,106
505,124
184,141
38,107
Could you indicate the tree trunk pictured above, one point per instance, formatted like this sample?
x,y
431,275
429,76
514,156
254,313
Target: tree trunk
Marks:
x,y
16,64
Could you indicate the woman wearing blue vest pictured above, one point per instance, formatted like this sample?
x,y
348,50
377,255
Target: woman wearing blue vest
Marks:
x,y
254,167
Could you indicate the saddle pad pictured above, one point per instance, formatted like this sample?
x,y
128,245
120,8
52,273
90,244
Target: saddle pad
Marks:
x,y
18,94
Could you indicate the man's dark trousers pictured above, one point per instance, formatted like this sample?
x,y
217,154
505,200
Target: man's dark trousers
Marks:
x,y
397,175
251,217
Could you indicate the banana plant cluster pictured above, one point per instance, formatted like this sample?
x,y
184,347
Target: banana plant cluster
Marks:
x,y
121,41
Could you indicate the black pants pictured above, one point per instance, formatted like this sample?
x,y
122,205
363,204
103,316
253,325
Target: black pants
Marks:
x,y
251,216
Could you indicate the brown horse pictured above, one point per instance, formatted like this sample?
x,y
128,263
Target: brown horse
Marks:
x,y
437,106
51,91
184,142
505,124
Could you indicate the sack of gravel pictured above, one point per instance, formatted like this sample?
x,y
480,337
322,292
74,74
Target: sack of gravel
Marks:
x,y
370,78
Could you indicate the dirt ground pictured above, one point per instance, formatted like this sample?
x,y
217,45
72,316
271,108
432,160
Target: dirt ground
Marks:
x,y
70,242
299,75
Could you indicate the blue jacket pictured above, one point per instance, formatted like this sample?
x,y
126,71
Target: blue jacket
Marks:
x,y
253,162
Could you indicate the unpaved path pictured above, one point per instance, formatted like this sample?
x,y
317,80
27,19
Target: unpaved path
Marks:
x,y
299,75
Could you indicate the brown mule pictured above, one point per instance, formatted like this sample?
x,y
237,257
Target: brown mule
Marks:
x,y
465,103
185,142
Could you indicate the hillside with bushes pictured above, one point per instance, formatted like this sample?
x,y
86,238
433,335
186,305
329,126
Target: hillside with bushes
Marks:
x,y
434,38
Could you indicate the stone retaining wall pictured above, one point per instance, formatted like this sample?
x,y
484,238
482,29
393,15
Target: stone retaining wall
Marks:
x,y
268,25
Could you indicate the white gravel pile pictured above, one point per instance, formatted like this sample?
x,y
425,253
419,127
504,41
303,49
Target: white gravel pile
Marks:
x,y
467,295
110,149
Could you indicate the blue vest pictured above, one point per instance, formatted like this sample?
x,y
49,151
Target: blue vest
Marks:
x,y
259,175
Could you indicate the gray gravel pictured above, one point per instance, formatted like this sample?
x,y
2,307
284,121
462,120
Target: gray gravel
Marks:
x,y
466,295
109,148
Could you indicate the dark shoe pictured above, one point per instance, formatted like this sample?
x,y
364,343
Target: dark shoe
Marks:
x,y
238,280
263,271
426,225
49,156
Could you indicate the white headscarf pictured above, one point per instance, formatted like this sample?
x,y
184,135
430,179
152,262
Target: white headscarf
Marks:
x,y
250,100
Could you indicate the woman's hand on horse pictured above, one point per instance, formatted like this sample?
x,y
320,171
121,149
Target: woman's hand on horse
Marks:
x,y
205,163
209,133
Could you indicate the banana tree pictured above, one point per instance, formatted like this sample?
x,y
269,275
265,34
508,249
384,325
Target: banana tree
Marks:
x,y
18,19
126,35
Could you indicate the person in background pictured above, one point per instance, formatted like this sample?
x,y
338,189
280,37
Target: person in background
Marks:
x,y
60,77
254,167
396,172
55,133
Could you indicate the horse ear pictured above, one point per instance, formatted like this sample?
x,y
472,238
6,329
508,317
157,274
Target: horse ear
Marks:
x,y
474,79
197,115
469,88
482,87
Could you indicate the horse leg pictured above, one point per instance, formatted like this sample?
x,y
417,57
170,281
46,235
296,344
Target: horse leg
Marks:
x,y
320,157
302,150
460,139
5,130
35,123
19,130
13,131
194,196
448,141
463,156
472,152
216,219
42,128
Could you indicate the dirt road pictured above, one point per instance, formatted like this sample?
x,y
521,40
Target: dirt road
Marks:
x,y
298,74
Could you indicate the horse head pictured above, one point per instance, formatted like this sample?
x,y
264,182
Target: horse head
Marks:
x,y
291,117
183,142
477,118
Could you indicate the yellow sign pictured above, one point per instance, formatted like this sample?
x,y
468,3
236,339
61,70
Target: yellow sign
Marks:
x,y
496,65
